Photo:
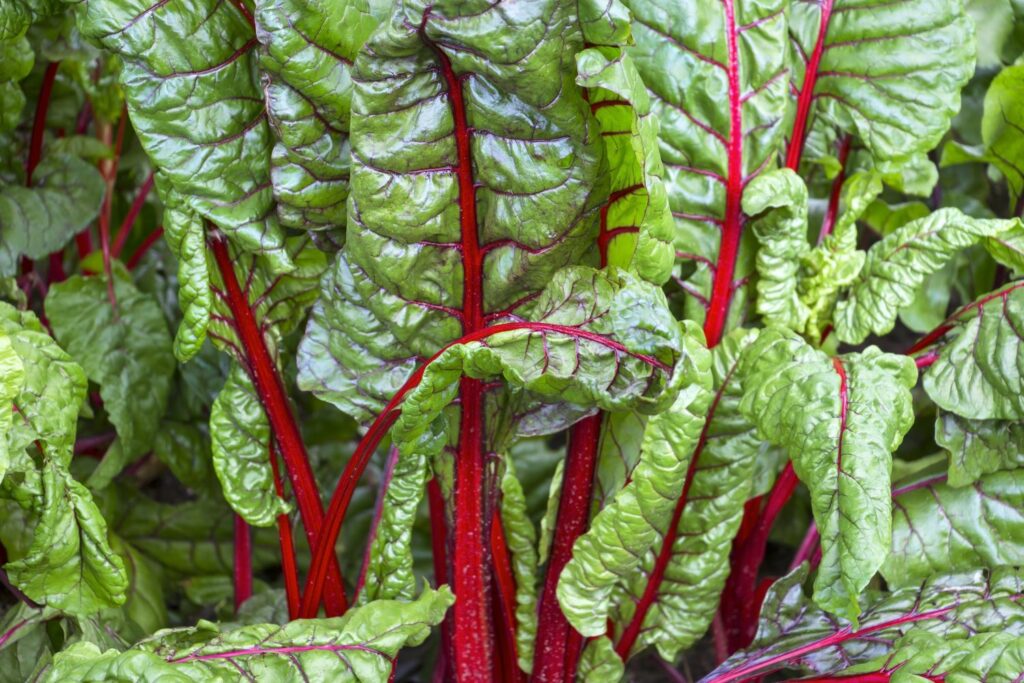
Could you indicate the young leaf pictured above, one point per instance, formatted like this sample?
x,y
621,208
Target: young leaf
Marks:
x,y
898,264
123,346
840,419
240,436
938,528
521,538
186,237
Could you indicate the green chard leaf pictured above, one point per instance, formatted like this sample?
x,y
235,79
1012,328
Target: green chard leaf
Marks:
x,y
35,221
307,55
840,419
898,264
123,347
978,447
359,646
716,74
521,538
960,609
69,564
186,236
978,372
938,528
194,96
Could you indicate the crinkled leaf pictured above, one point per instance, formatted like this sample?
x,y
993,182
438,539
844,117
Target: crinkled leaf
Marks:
x,y
359,646
125,349
241,447
193,92
186,237
521,538
185,449
599,662
978,374
12,379
716,73
938,528
636,223
631,523
891,73
795,635
697,562
35,221
978,447
782,238
840,419
898,264
307,55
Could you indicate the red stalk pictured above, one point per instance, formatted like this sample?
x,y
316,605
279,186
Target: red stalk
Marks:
x,y
243,562
732,225
109,170
286,432
806,98
837,190
346,486
505,604
739,607
287,543
807,546
558,643
439,545
35,148
151,239
133,213
56,271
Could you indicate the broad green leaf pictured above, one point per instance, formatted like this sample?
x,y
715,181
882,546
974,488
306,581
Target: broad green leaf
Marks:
x,y
124,348
521,538
38,220
185,449
978,447
547,522
196,104
938,528
241,447
793,634
697,562
840,419
26,645
359,646
898,264
599,662
186,237
890,73
716,73
781,232
634,520
978,373
308,50
1001,127
12,379
636,228
16,59
70,564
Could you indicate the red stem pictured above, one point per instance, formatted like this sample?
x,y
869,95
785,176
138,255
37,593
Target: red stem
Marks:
x,y
284,536
151,239
439,545
505,604
133,213
806,98
807,546
837,191
732,225
558,643
346,486
271,391
243,562
739,606
35,148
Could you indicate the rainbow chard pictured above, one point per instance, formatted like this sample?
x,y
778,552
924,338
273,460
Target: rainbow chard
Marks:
x,y
518,341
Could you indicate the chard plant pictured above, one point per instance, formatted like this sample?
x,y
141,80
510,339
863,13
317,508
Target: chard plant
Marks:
x,y
539,340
